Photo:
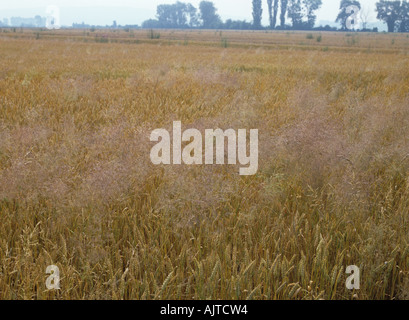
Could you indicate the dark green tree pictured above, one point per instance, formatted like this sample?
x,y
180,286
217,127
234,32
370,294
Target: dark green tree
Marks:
x,y
310,7
302,13
172,15
257,13
343,12
178,15
295,13
192,14
208,15
284,5
390,12
404,17
272,12
237,25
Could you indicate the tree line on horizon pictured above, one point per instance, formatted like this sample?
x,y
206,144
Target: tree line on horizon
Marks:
x,y
283,15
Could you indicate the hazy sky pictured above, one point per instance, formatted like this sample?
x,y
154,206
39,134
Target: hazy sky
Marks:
x,y
135,11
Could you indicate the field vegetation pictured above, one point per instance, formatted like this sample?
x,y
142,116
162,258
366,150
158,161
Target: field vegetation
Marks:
x,y
78,190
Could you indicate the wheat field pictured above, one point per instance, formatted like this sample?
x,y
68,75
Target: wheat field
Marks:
x,y
78,190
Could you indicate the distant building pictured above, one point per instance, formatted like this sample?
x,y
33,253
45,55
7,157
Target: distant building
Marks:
x,y
81,25
36,22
